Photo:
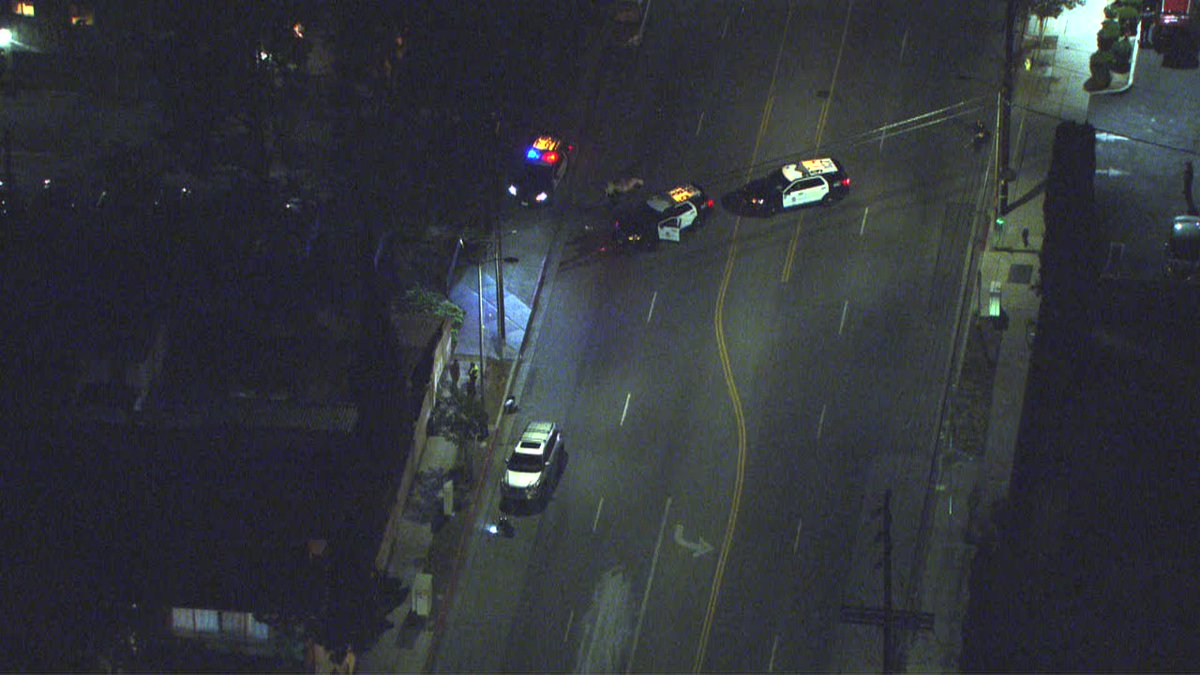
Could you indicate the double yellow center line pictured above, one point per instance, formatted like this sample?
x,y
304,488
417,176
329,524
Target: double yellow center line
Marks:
x,y
719,328
727,370
822,120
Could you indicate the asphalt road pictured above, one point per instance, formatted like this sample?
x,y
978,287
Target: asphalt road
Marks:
x,y
756,384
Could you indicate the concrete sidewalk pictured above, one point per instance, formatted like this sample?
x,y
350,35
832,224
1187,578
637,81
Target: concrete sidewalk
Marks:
x,y
529,246
970,485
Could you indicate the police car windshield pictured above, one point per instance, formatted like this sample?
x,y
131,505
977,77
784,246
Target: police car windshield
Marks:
x,y
777,180
537,173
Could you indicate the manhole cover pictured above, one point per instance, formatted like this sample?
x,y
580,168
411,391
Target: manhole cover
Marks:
x,y
1020,274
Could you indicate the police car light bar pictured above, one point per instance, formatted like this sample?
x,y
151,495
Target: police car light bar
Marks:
x,y
535,155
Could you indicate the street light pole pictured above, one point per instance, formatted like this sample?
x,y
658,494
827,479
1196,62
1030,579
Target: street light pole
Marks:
x,y
1004,123
499,260
482,318
500,328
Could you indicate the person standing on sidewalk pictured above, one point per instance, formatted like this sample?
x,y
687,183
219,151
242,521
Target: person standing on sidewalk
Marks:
x,y
472,376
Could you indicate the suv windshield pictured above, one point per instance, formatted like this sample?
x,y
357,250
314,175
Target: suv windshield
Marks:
x,y
777,181
523,462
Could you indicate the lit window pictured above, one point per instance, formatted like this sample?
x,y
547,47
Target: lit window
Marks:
x,y
183,619
233,624
207,621
82,14
22,8
258,629
188,620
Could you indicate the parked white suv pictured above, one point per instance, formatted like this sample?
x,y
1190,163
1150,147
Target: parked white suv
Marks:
x,y
532,461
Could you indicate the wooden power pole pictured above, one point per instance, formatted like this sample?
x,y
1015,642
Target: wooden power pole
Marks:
x,y
886,616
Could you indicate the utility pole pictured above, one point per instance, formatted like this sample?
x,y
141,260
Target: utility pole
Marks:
x,y
887,617
1003,172
499,227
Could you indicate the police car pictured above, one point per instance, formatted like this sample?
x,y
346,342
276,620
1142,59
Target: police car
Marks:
x,y
544,164
808,181
531,464
663,216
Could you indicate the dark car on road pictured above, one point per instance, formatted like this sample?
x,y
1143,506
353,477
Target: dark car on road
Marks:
x,y
811,181
543,165
662,217
1183,248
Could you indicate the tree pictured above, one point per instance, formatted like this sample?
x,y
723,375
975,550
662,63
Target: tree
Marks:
x,y
220,66
1045,10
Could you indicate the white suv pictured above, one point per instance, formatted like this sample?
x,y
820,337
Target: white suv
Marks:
x,y
531,462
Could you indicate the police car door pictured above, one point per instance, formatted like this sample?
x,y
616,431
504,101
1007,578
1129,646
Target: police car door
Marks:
x,y
804,191
668,228
687,215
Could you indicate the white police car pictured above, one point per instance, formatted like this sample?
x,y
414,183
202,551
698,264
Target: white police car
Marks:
x,y
664,216
821,180
543,165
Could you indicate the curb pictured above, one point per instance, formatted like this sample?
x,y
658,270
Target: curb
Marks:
x,y
473,513
1137,41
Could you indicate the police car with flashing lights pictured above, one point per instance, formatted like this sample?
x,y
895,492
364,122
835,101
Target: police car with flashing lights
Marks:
x,y
543,166
809,181
663,216
531,464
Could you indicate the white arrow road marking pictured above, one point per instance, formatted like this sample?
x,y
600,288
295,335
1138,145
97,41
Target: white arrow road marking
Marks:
x,y
698,548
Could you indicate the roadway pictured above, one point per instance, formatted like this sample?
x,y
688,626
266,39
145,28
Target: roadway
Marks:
x,y
754,385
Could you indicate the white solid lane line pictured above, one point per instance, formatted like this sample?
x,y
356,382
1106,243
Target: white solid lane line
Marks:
x,y
796,543
570,619
863,228
842,324
774,648
626,410
821,422
700,123
653,299
637,630
597,518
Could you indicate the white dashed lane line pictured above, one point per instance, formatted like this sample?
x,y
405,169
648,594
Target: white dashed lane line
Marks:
x,y
597,518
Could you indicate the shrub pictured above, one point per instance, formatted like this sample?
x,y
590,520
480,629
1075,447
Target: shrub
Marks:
x,y
1100,64
1110,32
425,301
1127,18
1122,56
